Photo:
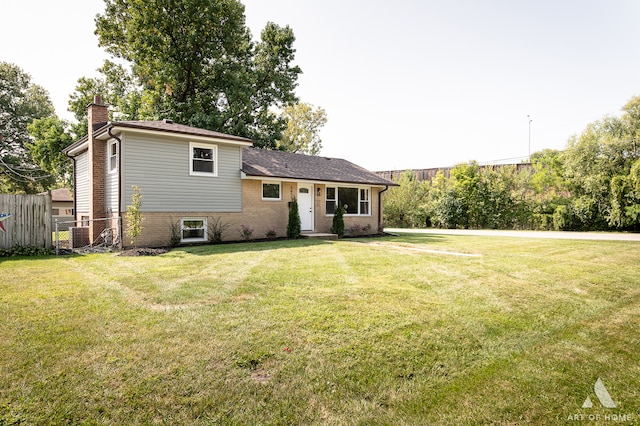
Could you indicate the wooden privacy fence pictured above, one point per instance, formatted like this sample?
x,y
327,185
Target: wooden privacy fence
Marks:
x,y
30,220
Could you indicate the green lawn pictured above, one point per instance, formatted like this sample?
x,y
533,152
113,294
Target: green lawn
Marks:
x,y
371,331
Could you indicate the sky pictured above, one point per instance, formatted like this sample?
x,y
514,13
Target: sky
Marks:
x,y
405,84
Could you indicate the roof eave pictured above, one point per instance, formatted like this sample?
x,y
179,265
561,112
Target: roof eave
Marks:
x,y
250,176
102,134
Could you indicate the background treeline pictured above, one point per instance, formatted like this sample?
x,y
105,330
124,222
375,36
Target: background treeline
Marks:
x,y
594,184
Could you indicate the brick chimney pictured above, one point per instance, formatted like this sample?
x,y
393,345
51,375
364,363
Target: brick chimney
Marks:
x,y
97,115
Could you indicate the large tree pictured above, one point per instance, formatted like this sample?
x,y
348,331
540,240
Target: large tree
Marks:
x,y
196,63
21,102
598,167
50,136
302,133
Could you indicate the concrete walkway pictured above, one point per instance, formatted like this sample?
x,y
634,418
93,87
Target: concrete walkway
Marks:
x,y
562,235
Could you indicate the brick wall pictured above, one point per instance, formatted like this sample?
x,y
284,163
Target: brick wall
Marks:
x,y
97,114
259,215
323,222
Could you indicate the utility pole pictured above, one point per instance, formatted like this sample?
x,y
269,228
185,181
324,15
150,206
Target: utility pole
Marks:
x,y
530,120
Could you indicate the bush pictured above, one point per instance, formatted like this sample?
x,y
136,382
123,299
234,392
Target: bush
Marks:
x,y
337,226
294,225
271,233
26,251
246,232
215,230
134,216
175,234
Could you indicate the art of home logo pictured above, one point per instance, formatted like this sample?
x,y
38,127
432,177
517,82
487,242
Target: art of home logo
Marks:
x,y
606,401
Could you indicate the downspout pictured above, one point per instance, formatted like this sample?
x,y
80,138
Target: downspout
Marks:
x,y
119,181
380,222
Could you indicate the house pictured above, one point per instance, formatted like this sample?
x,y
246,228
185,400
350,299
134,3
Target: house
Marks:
x,y
62,204
191,179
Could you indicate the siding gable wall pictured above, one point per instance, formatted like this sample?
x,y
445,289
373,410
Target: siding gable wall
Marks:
x,y
159,166
110,184
82,183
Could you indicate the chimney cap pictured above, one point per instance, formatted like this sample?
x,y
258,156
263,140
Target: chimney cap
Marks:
x,y
97,99
168,121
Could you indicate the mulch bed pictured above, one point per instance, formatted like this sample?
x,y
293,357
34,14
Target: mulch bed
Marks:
x,y
144,251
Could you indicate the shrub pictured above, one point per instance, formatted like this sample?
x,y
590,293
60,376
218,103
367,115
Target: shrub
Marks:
x,y
337,226
175,234
134,215
355,229
215,230
294,225
246,232
26,251
271,233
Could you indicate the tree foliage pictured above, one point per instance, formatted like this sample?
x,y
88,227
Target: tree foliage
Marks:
x,y
50,136
196,63
405,205
302,133
594,184
134,215
598,166
21,102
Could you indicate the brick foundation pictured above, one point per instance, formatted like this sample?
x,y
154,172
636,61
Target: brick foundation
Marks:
x,y
261,216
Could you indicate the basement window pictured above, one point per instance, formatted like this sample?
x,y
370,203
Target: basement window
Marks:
x,y
193,230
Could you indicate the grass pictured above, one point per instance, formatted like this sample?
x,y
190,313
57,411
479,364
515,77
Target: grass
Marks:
x,y
371,331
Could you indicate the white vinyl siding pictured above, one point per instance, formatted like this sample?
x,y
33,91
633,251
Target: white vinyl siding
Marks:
x,y
82,183
160,168
111,179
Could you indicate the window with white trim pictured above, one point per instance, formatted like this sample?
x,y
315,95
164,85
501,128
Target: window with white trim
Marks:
x,y
364,201
332,201
203,159
354,201
271,191
193,230
113,156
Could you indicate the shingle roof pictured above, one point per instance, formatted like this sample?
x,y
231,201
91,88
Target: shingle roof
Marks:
x,y
263,163
170,126
161,126
287,165
61,194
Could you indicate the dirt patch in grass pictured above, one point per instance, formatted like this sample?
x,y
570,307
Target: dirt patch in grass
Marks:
x,y
144,251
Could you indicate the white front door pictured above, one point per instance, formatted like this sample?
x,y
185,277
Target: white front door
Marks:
x,y
305,206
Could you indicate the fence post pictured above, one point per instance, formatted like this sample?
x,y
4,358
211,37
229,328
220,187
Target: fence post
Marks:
x,y
57,238
120,232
